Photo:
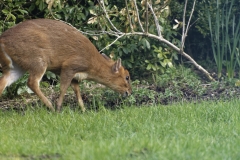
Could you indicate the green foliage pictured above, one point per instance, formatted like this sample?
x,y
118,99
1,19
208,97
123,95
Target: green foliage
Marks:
x,y
162,58
18,88
133,50
11,12
176,81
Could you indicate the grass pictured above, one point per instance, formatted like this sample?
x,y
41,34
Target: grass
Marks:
x,y
206,130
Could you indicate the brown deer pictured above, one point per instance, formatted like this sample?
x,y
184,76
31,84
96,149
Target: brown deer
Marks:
x,y
35,46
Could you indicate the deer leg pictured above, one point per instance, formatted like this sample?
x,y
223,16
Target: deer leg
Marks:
x,y
76,89
65,81
33,83
9,76
3,84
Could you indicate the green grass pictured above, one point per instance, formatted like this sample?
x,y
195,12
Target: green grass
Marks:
x,y
208,130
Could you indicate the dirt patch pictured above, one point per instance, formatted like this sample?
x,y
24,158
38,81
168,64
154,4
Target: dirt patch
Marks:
x,y
32,157
159,95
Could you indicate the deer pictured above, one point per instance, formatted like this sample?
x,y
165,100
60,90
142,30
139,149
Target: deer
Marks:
x,y
39,45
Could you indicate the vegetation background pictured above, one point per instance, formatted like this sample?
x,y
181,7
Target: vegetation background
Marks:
x,y
212,40
142,55
175,112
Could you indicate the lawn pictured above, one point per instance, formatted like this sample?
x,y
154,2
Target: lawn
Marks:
x,y
206,130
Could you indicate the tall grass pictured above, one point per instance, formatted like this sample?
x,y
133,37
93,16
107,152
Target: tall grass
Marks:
x,y
207,130
225,37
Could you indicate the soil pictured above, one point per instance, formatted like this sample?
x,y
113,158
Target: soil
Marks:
x,y
221,91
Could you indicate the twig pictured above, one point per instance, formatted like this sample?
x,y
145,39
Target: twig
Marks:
x,y
139,21
185,31
146,16
190,16
112,42
156,20
101,2
128,16
183,26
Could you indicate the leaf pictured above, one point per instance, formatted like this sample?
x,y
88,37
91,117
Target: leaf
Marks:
x,y
163,63
22,11
81,16
12,16
160,56
5,11
31,8
237,83
92,20
175,26
29,90
20,16
176,21
147,44
168,62
129,65
149,66
125,50
92,11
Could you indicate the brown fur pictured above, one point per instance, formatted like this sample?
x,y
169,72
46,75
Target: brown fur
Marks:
x,y
35,46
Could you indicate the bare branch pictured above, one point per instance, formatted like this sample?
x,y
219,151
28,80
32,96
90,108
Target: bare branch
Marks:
x,y
191,16
101,3
156,20
128,16
139,21
185,31
112,42
146,16
171,45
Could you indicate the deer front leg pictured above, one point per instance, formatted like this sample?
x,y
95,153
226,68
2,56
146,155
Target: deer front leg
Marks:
x,y
76,89
65,82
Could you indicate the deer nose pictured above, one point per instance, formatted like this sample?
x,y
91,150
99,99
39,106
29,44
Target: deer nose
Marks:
x,y
127,93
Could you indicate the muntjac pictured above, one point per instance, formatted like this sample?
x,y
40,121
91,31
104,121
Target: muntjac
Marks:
x,y
40,45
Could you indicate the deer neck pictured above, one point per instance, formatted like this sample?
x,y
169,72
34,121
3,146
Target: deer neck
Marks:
x,y
101,71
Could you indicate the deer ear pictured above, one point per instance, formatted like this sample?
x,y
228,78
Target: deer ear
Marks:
x,y
117,65
106,57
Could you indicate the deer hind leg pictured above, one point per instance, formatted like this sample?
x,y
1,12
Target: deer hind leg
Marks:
x,y
33,83
9,76
76,89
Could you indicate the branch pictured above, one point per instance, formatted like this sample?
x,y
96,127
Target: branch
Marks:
x,y
128,16
188,25
156,20
171,45
185,31
112,42
136,8
101,3
146,16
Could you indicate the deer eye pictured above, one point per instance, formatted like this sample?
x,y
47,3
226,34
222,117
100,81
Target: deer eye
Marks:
x,y
127,78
